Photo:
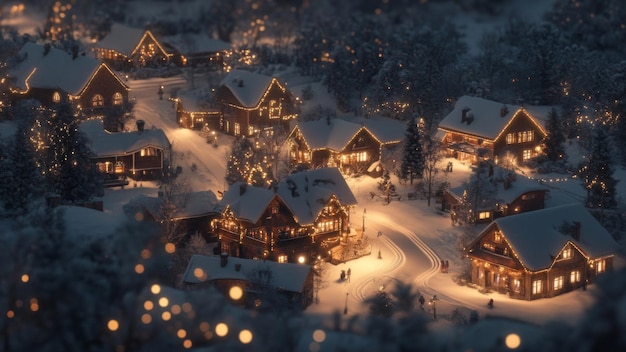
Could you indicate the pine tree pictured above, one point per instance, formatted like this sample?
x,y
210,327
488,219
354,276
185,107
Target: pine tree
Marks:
x,y
480,193
412,158
554,149
597,173
248,164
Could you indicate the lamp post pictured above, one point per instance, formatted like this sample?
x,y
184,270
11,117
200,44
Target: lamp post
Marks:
x,y
345,309
364,210
433,302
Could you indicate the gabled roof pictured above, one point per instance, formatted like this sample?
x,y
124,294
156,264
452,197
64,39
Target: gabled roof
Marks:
x,y
519,187
55,70
197,204
192,43
125,40
335,134
537,236
104,143
287,276
486,120
304,193
248,87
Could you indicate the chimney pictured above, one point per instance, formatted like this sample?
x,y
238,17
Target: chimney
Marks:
x,y
242,188
223,259
238,267
240,83
576,230
503,110
74,51
469,118
464,114
140,125
46,49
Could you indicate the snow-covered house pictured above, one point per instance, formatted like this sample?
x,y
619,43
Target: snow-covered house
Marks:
x,y
251,102
294,219
192,112
542,253
127,47
139,154
198,49
256,278
46,73
352,146
513,195
479,129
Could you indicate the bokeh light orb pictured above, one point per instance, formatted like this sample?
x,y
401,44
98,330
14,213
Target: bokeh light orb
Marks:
x,y
512,341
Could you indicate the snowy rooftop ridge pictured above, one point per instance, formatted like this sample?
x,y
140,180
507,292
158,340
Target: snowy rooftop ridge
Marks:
x,y
517,188
537,236
248,87
121,38
192,43
287,276
304,193
485,118
46,70
104,143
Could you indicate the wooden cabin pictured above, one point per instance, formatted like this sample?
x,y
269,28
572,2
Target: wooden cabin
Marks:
x,y
479,129
126,47
542,253
288,222
252,102
258,280
355,147
138,154
46,74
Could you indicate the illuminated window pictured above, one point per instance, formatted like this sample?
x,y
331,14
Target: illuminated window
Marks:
x,y
497,236
574,276
484,215
282,258
510,138
525,136
537,287
527,154
489,246
97,100
558,283
600,266
56,97
274,109
567,253
517,285
237,129
118,99
149,151
250,130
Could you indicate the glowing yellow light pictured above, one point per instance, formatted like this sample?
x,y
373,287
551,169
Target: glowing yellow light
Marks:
x,y
25,278
187,343
221,329
10,314
181,333
148,305
113,325
155,289
235,292
170,248
301,259
512,341
139,268
34,304
199,273
146,318
163,301
166,316
245,336
319,335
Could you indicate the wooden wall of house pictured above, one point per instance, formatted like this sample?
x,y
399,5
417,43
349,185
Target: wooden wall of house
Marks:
x,y
521,123
104,83
528,201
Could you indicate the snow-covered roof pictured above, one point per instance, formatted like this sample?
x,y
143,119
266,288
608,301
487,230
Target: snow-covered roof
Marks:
x,y
486,118
537,236
193,43
197,204
121,38
248,87
311,192
518,187
335,134
55,70
104,143
287,276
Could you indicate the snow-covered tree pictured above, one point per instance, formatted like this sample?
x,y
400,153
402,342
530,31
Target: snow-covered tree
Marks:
x,y
413,160
554,142
480,192
430,173
597,173
249,164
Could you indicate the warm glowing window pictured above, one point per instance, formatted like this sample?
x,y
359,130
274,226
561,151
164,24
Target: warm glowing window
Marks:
x,y
56,97
489,246
510,138
574,276
558,283
250,130
497,236
517,285
237,129
567,253
484,215
149,151
600,266
274,109
97,100
537,287
118,99
527,154
282,259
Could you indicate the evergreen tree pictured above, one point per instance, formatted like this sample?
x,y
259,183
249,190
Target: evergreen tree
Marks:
x,y
554,149
248,164
597,173
480,192
413,157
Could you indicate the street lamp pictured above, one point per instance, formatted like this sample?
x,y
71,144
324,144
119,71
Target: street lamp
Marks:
x,y
433,302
